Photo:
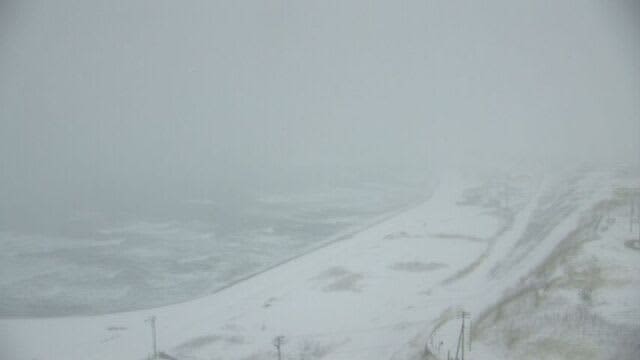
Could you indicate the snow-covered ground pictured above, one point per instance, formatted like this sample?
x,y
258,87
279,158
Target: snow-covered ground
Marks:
x,y
392,290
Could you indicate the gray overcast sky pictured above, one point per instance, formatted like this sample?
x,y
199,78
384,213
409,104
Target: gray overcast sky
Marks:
x,y
104,100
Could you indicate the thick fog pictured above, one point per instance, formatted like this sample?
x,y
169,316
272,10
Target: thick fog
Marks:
x,y
106,105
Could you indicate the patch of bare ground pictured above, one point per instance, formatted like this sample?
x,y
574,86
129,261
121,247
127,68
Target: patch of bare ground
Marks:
x,y
402,235
206,340
632,244
417,266
339,279
312,350
458,237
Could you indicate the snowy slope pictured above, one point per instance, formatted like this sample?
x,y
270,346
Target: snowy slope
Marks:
x,y
384,293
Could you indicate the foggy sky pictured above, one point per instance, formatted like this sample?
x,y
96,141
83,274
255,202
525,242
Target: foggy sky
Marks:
x,y
103,102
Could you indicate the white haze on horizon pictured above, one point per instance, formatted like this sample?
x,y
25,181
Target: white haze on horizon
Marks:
x,y
103,103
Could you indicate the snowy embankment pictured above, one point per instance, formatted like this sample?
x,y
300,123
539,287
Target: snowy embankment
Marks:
x,y
389,291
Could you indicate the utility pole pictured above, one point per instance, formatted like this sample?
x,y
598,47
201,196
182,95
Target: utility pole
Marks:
x,y
460,347
278,342
152,322
470,328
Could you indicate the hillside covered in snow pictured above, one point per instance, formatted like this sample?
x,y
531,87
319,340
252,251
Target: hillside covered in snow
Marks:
x,y
545,264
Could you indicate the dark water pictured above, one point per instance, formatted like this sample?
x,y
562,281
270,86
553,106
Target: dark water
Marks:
x,y
100,263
